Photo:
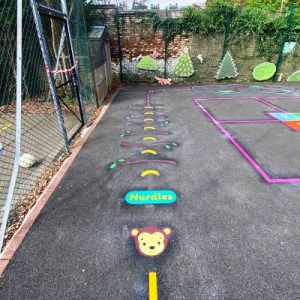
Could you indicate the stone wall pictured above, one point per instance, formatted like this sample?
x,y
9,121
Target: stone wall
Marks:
x,y
138,38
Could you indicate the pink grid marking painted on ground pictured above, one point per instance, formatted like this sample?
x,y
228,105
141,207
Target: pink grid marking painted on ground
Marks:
x,y
240,148
249,121
229,98
271,105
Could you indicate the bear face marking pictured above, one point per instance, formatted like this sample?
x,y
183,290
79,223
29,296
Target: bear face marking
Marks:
x,y
151,241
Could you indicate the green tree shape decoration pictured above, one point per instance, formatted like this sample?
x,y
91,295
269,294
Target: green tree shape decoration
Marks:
x,y
295,77
264,71
227,68
184,67
147,63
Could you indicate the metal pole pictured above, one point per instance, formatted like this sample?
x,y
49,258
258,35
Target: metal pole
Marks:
x,y
62,37
166,42
75,75
119,43
285,38
90,55
64,6
61,45
226,33
15,171
50,76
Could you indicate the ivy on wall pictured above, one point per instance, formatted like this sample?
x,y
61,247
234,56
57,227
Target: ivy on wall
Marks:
x,y
266,24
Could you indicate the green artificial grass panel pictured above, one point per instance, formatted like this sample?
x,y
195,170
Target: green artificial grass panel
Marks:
x,y
264,71
295,77
184,66
147,63
227,68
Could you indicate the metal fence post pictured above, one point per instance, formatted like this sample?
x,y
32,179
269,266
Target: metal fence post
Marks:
x,y
75,76
284,40
117,22
89,51
19,60
226,33
166,44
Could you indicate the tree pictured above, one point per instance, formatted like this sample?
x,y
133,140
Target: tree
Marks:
x,y
7,53
89,14
272,4
33,72
275,4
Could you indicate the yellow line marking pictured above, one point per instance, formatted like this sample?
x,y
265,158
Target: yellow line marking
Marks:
x,y
148,107
5,126
149,151
149,128
149,113
149,120
149,138
153,290
150,172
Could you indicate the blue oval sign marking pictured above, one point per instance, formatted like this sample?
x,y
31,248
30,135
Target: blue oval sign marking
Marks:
x,y
151,197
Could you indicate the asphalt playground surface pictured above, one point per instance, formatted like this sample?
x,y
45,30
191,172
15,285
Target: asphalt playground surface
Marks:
x,y
234,234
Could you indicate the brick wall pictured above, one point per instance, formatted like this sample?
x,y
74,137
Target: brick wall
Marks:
x,y
138,37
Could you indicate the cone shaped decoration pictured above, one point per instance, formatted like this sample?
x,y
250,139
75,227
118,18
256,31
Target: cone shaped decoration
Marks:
x,y
264,71
147,63
184,66
227,68
294,77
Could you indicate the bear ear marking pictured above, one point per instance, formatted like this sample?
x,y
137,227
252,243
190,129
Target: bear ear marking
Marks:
x,y
167,230
134,232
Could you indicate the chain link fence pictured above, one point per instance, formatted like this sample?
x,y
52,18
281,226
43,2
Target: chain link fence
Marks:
x,y
82,50
43,146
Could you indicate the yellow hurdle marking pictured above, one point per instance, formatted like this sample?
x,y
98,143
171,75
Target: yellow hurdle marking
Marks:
x,y
149,120
153,290
149,138
149,151
5,126
148,107
149,128
150,172
149,113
